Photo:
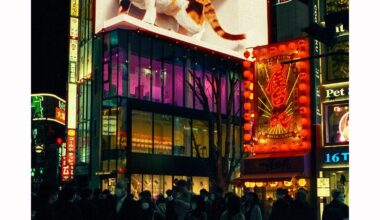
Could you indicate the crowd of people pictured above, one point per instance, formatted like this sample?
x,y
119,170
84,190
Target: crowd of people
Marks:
x,y
69,203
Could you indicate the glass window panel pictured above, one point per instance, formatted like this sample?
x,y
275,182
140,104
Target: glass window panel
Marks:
x,y
141,132
147,182
208,89
200,183
157,71
123,70
224,97
178,85
105,72
338,68
136,185
162,134
145,75
114,63
134,76
167,80
237,99
182,137
112,166
122,127
189,92
168,183
105,165
337,123
199,75
200,132
158,185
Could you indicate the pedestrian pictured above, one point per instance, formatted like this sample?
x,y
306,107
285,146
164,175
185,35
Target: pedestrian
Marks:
x,y
280,208
87,206
198,208
126,207
218,203
170,206
336,209
145,206
301,209
67,208
205,196
182,199
251,207
160,211
233,211
44,201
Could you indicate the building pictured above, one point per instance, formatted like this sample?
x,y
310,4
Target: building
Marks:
x,y
133,109
48,133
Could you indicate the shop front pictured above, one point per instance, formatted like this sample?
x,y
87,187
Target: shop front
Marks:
x,y
333,156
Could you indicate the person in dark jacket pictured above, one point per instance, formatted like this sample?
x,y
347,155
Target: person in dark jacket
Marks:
x,y
281,208
198,208
87,206
301,209
145,206
126,207
336,209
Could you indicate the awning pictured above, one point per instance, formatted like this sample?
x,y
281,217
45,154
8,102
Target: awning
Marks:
x,y
264,177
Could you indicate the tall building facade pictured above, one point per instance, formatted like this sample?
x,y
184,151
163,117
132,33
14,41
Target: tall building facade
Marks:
x,y
133,93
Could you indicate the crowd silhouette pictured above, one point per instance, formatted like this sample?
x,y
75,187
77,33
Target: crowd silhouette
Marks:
x,y
72,203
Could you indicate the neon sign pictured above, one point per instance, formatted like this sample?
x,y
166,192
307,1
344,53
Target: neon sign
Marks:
x,y
282,97
336,157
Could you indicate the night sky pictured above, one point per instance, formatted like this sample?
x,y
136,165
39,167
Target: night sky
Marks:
x,y
50,26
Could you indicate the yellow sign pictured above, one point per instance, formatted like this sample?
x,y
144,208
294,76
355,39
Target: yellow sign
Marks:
x,y
323,192
73,52
323,182
74,8
74,23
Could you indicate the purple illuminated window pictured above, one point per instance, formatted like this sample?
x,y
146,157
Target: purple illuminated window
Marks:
x,y
224,98
208,89
167,80
178,85
133,76
113,88
156,81
122,75
145,75
189,93
199,75
237,103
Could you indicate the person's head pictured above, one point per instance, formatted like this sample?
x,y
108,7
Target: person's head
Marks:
x,y
145,196
280,193
252,198
121,188
48,192
301,195
204,194
233,204
337,195
160,199
182,186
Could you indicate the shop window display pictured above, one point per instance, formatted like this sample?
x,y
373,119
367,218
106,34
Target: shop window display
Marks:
x,y
200,132
162,134
337,123
157,184
200,183
339,179
141,132
182,137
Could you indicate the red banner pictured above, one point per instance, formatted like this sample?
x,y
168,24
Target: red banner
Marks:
x,y
68,156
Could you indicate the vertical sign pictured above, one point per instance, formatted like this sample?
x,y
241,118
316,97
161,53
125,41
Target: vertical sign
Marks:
x,y
74,9
316,63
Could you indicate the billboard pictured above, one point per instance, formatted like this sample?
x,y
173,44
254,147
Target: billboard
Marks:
x,y
48,107
282,97
228,24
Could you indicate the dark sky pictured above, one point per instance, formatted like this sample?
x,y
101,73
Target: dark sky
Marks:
x,y
50,26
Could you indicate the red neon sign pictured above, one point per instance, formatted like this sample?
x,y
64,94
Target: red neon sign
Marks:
x,y
68,157
282,98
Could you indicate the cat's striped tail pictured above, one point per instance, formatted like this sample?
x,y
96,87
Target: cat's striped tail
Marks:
x,y
210,14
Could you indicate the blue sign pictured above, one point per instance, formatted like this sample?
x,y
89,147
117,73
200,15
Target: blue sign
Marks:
x,y
333,158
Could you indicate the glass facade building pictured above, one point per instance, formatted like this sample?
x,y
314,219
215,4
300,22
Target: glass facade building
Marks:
x,y
145,116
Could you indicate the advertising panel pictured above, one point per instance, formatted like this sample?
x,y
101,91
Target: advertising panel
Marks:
x,y
230,24
282,91
48,107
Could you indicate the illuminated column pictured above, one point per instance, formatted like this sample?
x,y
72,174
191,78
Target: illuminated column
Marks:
x,y
68,160
248,105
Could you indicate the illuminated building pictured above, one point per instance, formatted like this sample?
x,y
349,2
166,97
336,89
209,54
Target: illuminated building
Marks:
x,y
130,109
48,129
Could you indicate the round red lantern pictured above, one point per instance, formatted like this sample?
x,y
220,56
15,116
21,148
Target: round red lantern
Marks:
x,y
247,126
247,106
292,46
121,170
59,141
246,74
304,122
301,54
304,111
282,48
246,94
250,77
304,99
256,52
247,116
246,54
264,51
305,145
247,137
304,77
273,51
302,65
246,84
303,87
246,64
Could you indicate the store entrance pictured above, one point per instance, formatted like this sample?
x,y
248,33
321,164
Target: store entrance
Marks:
x,y
109,184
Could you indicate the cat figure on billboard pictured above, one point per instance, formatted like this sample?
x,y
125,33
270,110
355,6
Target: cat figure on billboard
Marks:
x,y
191,15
